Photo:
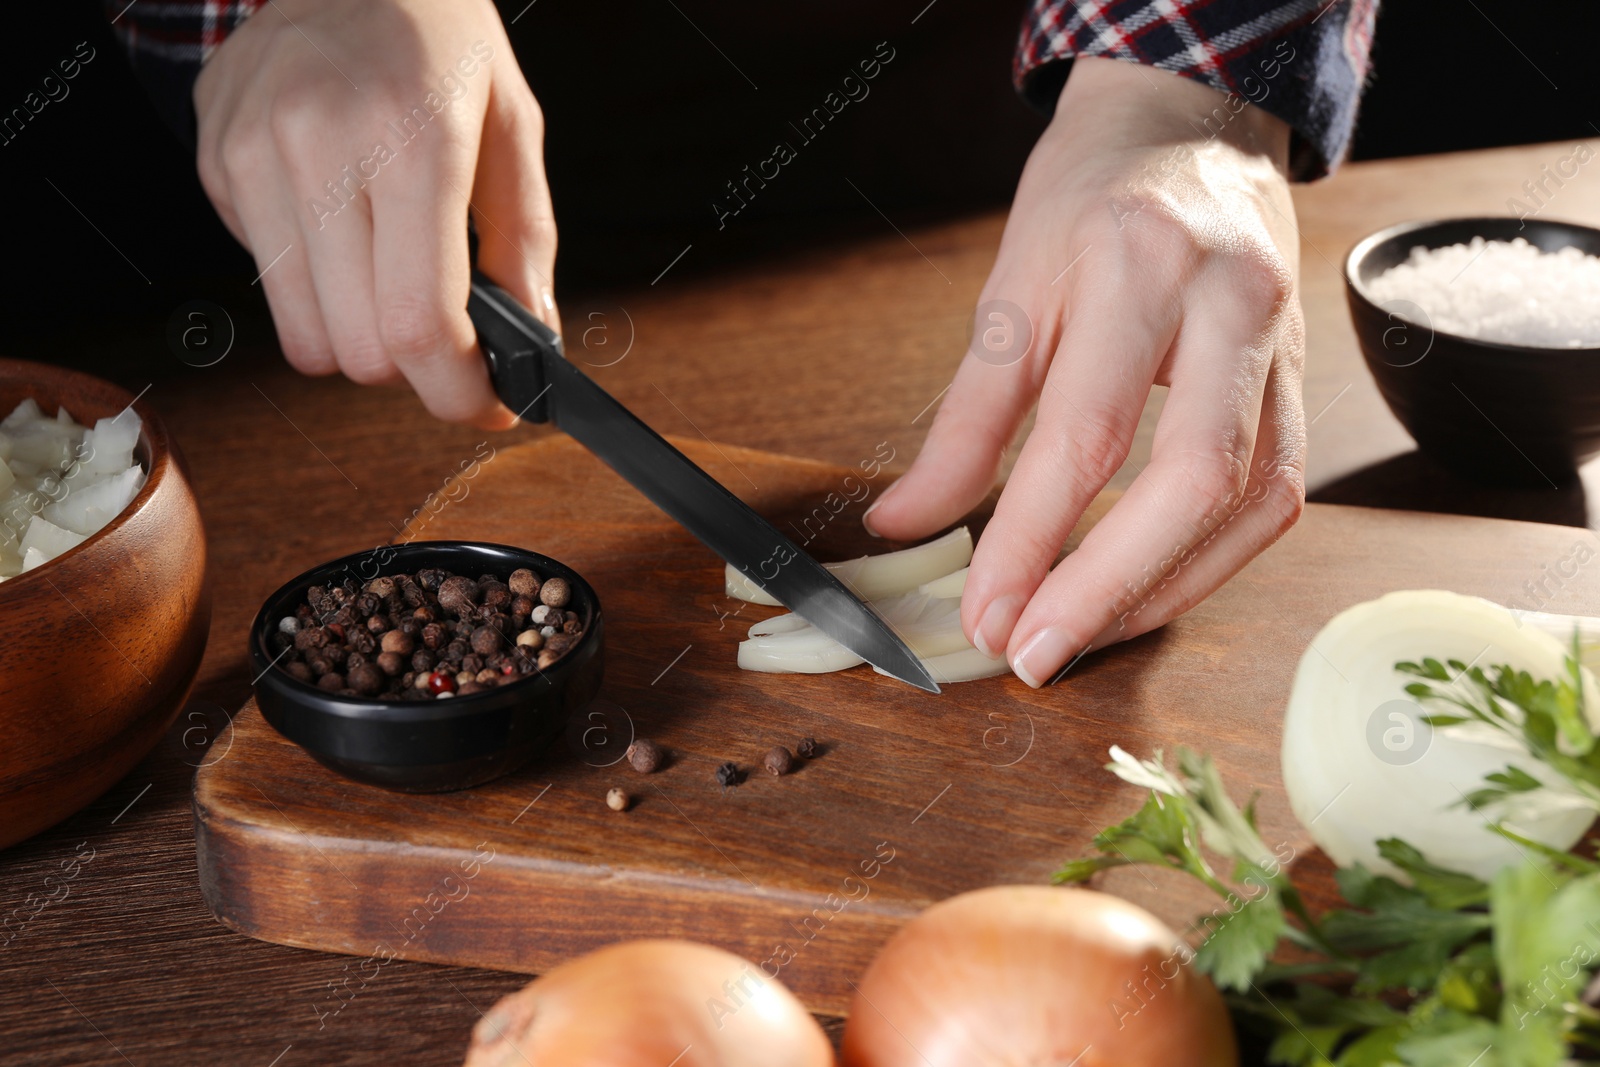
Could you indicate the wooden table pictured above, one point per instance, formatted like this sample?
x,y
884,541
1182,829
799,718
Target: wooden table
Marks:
x,y
824,354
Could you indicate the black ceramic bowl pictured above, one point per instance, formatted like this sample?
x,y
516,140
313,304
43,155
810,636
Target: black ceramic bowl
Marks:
x,y
429,746
1496,413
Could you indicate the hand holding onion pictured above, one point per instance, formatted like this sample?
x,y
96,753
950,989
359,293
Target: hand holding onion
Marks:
x,y
650,1004
1030,976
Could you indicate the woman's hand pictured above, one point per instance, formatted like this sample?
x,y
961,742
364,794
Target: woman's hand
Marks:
x,y
340,141
1152,241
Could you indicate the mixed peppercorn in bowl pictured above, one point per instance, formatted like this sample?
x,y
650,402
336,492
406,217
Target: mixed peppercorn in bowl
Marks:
x,y
428,666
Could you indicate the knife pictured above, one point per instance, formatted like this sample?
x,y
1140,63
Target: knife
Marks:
x,y
534,378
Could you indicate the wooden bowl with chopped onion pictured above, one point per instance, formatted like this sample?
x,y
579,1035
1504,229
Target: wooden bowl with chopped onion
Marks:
x,y
102,642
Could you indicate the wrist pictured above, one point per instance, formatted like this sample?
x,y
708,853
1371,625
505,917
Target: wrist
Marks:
x,y
1138,104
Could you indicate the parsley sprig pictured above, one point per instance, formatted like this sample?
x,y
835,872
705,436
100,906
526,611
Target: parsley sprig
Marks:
x,y
1446,971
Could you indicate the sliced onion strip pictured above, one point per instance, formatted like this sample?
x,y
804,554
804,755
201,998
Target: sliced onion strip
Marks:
x,y
877,577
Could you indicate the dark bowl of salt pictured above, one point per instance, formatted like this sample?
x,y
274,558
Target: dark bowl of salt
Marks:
x,y
1483,335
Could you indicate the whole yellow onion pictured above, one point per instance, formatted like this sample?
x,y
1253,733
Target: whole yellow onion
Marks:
x,y
1035,976
650,1004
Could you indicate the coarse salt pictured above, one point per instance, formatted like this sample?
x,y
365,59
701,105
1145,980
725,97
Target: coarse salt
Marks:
x,y
1504,291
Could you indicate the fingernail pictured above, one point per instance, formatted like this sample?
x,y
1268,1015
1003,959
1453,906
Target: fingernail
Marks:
x,y
994,625
1040,657
866,516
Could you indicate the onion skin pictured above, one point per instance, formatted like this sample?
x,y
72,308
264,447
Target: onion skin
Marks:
x,y
1036,976
648,1004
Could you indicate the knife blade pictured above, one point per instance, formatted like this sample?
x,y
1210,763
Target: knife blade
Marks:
x,y
533,377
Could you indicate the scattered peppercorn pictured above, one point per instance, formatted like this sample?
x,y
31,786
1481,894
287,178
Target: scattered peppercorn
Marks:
x,y
645,756
426,636
778,762
728,774
617,800
807,748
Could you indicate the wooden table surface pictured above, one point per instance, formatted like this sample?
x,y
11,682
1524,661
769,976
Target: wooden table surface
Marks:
x,y
825,353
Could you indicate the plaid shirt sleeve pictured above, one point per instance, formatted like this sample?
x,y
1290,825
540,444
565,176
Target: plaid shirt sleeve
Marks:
x,y
167,42
1302,60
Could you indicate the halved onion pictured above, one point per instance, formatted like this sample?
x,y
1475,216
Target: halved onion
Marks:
x,y
1017,975
876,577
650,1004
1359,765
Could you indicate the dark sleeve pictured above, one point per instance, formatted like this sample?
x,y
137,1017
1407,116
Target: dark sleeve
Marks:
x,y
168,41
1304,61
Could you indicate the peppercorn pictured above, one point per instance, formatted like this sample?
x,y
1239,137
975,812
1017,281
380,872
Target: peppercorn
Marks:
x,y
472,662
299,671
441,682
319,664
340,594
455,651
422,660
488,674
540,615
431,577
728,774
289,625
548,658
459,595
531,639
486,640
365,679
334,654
466,676
333,681
335,631
353,659
281,642
379,623
468,688
366,604
778,762
645,756
423,680
807,748
555,593
410,627
495,594
572,626
362,640
522,605
310,637
399,641
617,800
434,636
524,582
391,663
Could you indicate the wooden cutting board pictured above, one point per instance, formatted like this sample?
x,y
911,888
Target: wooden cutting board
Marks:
x,y
914,797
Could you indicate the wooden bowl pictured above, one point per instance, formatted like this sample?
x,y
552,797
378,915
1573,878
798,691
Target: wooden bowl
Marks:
x,y
101,644
1495,413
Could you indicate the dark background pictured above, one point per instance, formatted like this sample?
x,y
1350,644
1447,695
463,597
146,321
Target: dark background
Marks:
x,y
647,122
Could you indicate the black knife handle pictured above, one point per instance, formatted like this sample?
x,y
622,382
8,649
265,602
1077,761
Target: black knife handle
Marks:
x,y
515,344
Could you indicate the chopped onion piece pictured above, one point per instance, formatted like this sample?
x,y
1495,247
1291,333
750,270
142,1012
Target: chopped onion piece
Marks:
x,y
876,577
951,585
967,665
816,660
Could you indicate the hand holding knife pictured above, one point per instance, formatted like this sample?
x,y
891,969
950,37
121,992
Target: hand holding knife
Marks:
x,y
534,379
